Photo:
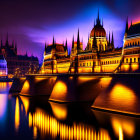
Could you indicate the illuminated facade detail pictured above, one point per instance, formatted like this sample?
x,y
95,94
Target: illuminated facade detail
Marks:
x,y
3,66
131,58
100,55
18,64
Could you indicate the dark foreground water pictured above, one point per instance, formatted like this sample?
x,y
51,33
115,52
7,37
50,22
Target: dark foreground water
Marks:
x,y
29,118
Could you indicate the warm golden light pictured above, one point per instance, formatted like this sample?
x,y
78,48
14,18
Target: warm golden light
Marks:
x,y
59,91
59,111
17,114
83,79
105,81
123,96
123,126
47,124
25,101
25,87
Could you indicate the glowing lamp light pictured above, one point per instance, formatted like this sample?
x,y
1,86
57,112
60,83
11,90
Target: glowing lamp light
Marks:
x,y
123,97
59,91
59,111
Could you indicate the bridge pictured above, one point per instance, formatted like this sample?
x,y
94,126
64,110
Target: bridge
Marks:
x,y
100,90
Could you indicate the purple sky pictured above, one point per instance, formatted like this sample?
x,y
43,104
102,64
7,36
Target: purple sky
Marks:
x,y
32,23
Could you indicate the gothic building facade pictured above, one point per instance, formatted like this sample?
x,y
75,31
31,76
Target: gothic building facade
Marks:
x,y
18,64
100,55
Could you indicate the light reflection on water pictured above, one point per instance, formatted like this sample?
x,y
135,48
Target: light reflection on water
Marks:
x,y
39,119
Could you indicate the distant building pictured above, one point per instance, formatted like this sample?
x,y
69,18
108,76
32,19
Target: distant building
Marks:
x,y
3,66
100,55
18,64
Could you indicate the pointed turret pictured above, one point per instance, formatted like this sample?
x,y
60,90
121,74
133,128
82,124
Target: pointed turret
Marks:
x,y
66,45
112,41
126,28
109,41
53,41
78,41
15,48
98,19
73,42
7,43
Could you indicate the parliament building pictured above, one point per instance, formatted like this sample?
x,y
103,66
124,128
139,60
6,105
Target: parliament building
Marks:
x,y
99,56
14,64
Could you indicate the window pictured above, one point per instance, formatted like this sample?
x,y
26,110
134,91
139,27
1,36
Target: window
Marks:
x,y
134,60
138,59
127,60
83,64
87,64
130,60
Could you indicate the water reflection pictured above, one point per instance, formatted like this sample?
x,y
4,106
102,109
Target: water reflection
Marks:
x,y
36,118
47,124
121,126
17,114
59,110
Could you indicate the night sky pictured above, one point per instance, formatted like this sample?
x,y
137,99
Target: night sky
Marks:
x,y
32,23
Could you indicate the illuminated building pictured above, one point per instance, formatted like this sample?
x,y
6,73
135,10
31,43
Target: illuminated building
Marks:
x,y
100,55
18,64
131,58
3,66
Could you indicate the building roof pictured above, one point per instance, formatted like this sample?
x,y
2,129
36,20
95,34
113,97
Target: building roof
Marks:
x,y
98,30
134,30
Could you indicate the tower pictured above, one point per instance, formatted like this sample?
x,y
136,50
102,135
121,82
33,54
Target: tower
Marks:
x,y
126,28
7,43
112,42
78,41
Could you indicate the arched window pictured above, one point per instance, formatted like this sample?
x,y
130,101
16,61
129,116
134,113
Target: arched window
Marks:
x,y
134,60
130,60
138,42
127,60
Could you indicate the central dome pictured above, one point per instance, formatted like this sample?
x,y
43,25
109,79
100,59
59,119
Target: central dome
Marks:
x,y
99,31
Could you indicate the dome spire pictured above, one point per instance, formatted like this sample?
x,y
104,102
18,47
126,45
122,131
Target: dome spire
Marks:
x,y
98,19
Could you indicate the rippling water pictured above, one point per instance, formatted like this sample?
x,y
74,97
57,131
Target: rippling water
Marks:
x,y
35,118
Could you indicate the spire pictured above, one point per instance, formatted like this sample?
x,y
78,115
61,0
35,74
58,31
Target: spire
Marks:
x,y
53,41
98,19
1,43
78,40
112,42
98,13
45,46
7,43
66,45
126,28
16,48
73,42
109,38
